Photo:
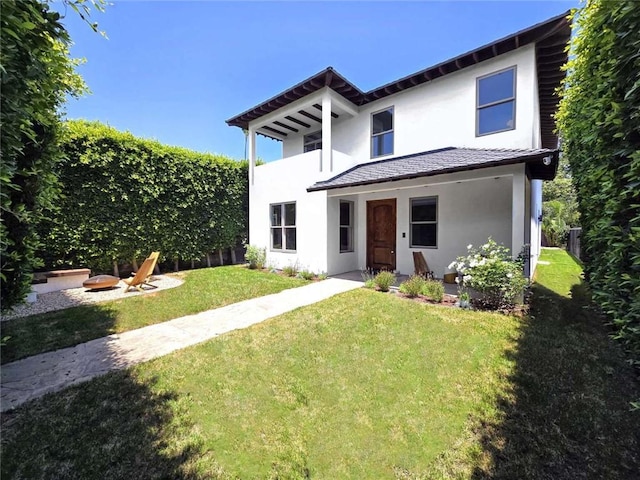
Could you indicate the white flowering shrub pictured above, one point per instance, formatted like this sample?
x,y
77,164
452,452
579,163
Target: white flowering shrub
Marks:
x,y
490,271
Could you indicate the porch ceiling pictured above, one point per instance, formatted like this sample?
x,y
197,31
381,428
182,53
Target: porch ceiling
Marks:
x,y
305,118
541,164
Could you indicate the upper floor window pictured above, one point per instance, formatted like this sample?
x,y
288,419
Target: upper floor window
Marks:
x,y
382,133
313,141
346,226
424,222
283,226
496,97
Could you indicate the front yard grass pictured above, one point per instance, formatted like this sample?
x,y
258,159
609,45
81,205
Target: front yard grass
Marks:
x,y
202,290
365,386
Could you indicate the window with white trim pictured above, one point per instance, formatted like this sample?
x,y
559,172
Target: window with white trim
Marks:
x,y
346,226
424,222
382,133
283,226
312,141
496,102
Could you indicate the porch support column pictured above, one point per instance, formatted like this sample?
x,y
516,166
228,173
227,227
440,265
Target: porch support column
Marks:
x,y
517,212
326,164
252,152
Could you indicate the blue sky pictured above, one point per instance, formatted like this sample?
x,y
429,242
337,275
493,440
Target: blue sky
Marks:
x,y
175,71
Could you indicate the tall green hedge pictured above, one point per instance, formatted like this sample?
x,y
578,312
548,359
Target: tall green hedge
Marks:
x,y
123,197
36,75
599,119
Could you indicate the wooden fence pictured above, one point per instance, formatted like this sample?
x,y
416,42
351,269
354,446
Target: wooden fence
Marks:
x,y
573,245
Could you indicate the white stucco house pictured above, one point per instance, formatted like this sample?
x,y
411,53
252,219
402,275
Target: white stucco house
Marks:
x,y
431,162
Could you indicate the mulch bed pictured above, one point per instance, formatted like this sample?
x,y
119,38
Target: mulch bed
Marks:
x,y
447,300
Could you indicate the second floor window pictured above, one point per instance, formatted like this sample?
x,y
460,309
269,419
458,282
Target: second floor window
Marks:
x,y
382,133
313,141
496,102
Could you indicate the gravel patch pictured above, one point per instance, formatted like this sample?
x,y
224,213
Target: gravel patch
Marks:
x,y
48,302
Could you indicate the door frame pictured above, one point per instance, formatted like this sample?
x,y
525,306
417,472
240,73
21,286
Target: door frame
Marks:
x,y
370,228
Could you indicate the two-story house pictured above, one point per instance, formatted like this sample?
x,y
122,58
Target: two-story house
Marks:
x,y
432,162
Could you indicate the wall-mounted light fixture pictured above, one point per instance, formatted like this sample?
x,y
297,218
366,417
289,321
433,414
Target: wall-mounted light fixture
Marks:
x,y
547,160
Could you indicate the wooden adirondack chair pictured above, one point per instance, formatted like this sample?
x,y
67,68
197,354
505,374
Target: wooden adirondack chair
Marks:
x,y
421,267
143,274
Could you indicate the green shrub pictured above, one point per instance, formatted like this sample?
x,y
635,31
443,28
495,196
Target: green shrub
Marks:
x,y
292,269
384,280
598,119
322,276
412,287
490,271
370,283
307,275
37,75
256,256
433,290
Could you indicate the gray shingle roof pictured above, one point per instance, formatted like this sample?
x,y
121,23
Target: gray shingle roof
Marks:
x,y
435,162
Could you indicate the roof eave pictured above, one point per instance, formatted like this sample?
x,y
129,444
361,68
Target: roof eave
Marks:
x,y
540,32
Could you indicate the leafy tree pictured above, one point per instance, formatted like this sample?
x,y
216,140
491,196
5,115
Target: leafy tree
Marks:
x,y
36,75
560,206
554,225
599,119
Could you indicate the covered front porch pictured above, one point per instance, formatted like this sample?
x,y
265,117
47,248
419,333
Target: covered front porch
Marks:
x,y
380,226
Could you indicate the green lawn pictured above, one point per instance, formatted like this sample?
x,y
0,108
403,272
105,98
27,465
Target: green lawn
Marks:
x,y
202,290
566,413
364,385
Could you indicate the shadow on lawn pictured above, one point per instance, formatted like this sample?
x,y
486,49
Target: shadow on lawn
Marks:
x,y
116,426
568,416
54,330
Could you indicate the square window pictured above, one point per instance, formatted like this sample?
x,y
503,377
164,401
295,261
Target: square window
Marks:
x,y
496,118
496,87
312,141
423,234
423,209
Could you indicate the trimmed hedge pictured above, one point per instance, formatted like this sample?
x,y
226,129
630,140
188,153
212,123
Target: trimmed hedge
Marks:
x,y
123,197
599,119
36,76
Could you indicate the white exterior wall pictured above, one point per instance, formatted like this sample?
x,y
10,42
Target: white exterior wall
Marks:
x,y
442,113
287,181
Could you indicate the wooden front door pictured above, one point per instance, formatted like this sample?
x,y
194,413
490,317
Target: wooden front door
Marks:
x,y
381,234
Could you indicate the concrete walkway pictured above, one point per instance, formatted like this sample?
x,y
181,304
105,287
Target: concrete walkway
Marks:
x,y
35,376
